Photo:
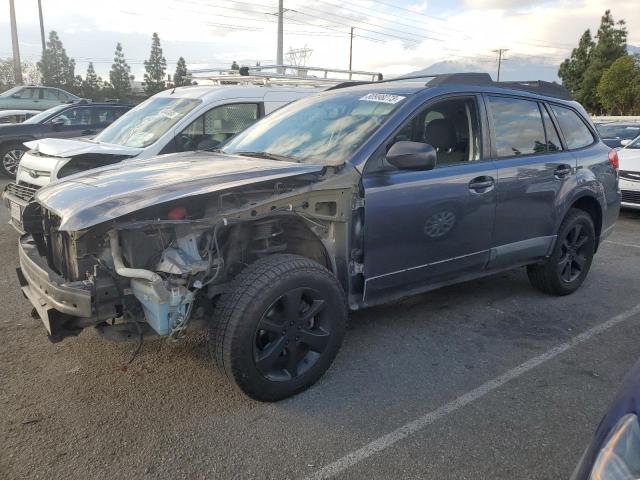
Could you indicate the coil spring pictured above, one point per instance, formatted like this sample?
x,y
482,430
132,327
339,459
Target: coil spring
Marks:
x,y
265,239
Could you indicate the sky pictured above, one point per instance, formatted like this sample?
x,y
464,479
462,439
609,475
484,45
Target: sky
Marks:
x,y
391,36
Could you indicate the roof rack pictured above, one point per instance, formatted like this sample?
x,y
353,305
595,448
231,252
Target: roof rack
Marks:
x,y
550,89
283,75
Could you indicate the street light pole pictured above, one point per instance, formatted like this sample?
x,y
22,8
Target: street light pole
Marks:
x,y
17,65
44,45
351,52
280,52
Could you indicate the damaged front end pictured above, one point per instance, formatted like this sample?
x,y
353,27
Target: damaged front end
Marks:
x,y
158,271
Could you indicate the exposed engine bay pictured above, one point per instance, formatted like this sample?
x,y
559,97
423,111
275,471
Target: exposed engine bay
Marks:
x,y
159,270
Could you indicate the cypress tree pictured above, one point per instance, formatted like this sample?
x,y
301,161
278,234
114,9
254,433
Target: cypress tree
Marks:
x,y
155,68
120,74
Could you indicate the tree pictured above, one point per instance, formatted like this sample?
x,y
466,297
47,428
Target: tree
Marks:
x,y
120,75
572,69
155,68
180,78
611,45
235,66
619,87
91,84
30,74
56,68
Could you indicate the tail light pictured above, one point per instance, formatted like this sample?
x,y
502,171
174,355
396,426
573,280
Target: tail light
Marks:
x,y
613,159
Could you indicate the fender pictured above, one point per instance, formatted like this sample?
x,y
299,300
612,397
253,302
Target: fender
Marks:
x,y
16,139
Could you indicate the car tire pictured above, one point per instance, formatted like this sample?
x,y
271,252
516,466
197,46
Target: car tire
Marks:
x,y
10,157
570,261
278,327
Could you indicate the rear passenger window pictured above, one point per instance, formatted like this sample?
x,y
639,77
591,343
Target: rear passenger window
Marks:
x,y
576,133
518,127
553,140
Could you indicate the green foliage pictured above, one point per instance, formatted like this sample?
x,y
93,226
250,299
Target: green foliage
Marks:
x,y
120,75
180,76
30,74
92,84
619,87
56,68
235,66
155,67
582,72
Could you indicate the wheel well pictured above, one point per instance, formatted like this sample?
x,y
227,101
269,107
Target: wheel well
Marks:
x,y
301,241
14,141
591,206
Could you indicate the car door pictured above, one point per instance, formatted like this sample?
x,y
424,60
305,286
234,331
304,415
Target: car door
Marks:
x,y
26,98
430,227
72,122
533,171
50,97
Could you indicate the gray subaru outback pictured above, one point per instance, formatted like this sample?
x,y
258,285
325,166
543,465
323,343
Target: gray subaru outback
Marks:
x,y
350,198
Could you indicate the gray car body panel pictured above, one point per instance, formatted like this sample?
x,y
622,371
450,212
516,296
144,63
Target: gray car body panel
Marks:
x,y
108,193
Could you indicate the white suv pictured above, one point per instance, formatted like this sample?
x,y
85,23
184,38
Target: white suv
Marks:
x,y
182,119
630,174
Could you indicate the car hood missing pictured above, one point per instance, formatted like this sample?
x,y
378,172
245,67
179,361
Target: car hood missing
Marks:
x,y
107,193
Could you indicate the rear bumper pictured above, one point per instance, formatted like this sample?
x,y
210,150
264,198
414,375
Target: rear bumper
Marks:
x,y
57,302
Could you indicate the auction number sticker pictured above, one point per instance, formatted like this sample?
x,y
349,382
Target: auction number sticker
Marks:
x,y
382,98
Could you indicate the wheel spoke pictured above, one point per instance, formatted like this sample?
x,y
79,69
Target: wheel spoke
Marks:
x,y
575,234
566,272
291,303
269,325
562,263
316,340
580,261
316,307
268,357
294,356
582,242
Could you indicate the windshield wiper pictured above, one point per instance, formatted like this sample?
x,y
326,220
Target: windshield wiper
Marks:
x,y
268,156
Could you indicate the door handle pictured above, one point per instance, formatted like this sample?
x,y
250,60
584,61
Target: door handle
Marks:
x,y
482,184
562,171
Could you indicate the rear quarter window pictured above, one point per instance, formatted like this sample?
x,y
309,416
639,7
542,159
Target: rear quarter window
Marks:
x,y
576,133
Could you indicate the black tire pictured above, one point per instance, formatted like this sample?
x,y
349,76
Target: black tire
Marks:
x,y
569,264
260,324
10,157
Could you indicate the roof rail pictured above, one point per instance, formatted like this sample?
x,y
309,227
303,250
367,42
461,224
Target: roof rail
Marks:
x,y
550,89
283,75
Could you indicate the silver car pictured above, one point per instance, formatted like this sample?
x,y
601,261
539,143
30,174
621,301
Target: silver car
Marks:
x,y
34,98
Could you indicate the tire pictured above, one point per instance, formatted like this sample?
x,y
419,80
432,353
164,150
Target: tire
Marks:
x,y
570,261
262,323
10,156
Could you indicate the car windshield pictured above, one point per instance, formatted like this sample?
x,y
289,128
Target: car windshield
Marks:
x,y
10,92
325,129
40,117
623,132
146,123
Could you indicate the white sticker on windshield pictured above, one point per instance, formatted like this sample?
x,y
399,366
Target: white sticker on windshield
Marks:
x,y
383,98
166,112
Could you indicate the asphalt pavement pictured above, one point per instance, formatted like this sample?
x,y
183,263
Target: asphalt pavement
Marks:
x,y
486,379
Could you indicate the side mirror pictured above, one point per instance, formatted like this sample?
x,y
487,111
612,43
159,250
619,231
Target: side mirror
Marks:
x,y
624,143
57,123
412,156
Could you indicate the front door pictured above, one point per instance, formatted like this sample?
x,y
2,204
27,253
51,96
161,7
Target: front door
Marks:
x,y
73,122
533,170
429,227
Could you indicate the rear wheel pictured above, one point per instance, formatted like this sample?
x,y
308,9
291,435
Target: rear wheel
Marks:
x,y
566,269
278,327
10,156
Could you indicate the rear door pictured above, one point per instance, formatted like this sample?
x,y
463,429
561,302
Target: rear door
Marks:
x,y
533,170
429,227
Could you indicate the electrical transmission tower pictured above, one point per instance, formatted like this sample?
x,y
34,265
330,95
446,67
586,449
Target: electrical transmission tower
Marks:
x,y
298,56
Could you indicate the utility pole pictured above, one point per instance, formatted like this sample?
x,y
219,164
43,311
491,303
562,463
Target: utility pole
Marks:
x,y
280,53
500,52
17,65
351,52
44,45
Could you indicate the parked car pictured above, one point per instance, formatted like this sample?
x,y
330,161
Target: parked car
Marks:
x,y
34,98
342,200
76,119
618,134
630,174
16,116
614,453
181,119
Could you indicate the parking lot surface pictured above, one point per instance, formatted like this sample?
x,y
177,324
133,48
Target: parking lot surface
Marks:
x,y
441,385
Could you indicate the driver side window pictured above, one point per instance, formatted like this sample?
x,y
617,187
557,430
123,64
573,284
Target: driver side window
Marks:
x,y
213,128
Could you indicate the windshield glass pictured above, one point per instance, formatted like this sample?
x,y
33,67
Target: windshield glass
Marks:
x,y
623,132
146,123
40,117
323,129
10,92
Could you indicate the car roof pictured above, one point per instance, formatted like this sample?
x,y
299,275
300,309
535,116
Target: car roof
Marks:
x,y
209,92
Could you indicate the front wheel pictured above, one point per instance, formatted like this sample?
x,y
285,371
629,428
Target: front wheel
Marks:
x,y
566,269
10,156
278,327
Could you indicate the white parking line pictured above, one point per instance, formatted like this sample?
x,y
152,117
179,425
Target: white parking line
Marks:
x,y
622,244
420,423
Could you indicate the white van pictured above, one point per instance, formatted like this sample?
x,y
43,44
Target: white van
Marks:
x,y
181,119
